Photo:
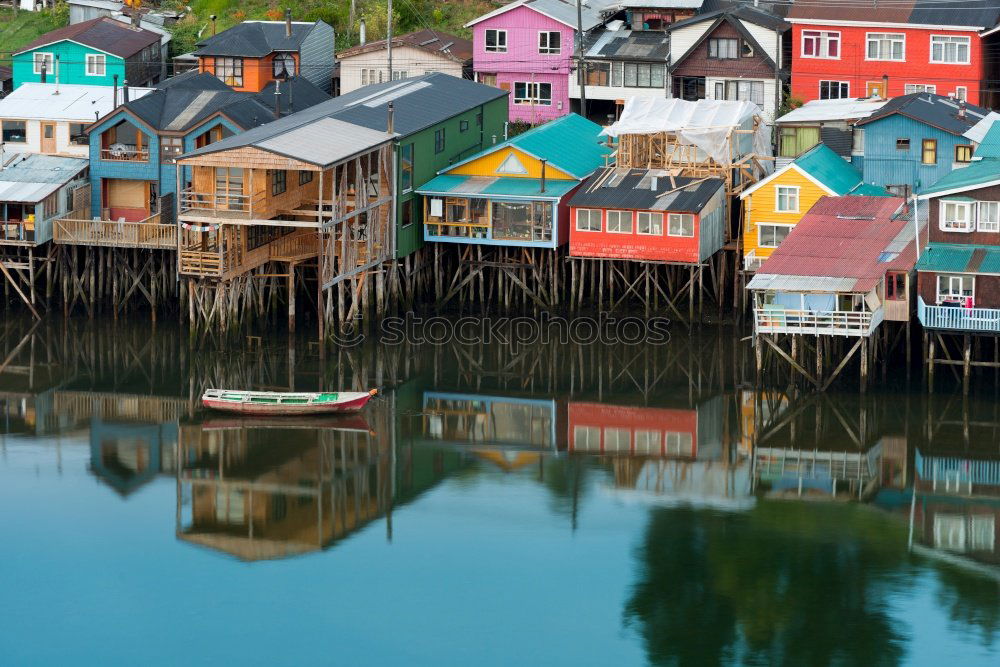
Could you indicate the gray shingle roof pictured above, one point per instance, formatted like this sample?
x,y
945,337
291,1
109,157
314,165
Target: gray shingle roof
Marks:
x,y
255,39
634,189
935,110
103,33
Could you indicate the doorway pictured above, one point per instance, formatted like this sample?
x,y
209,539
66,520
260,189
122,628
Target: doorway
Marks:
x,y
48,138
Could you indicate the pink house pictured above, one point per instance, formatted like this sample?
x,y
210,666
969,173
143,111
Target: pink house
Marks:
x,y
527,48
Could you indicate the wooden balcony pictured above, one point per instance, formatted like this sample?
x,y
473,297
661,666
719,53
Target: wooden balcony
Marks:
x,y
126,154
225,263
207,205
958,318
148,233
775,319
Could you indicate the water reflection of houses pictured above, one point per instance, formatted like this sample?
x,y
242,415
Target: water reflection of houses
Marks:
x,y
477,421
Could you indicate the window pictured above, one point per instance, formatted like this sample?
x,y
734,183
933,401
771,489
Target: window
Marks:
x,y
305,177
771,236
230,71
532,93
95,64
928,151
406,166
680,224
834,90
746,49
963,153
587,438
598,74
956,216
548,42
620,222
487,79
955,288
171,147
438,141
14,131
895,286
740,90
479,119
283,65
463,126
820,44
496,41
988,218
786,199
644,75
723,48
588,220
617,439
961,93
797,140
647,442
885,46
43,58
364,77
903,144
399,74
950,50
407,210
279,182
78,134
690,88
678,444
919,88
650,224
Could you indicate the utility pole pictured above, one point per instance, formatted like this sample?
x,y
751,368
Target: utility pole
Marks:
x,y
581,74
388,40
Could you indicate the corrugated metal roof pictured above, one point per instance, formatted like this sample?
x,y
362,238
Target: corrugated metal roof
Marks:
x,y
945,257
570,143
969,13
935,110
449,184
324,142
103,33
432,41
966,178
31,177
979,131
989,145
592,13
763,281
635,189
818,111
828,168
72,103
754,15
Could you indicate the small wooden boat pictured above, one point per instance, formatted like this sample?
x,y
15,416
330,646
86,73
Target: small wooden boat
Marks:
x,y
273,403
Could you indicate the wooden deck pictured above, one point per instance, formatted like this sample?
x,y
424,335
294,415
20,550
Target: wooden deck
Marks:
x,y
225,264
835,323
959,319
148,233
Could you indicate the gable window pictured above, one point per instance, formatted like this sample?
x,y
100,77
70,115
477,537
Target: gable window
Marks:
x,y
284,65
820,44
279,182
171,147
771,236
952,288
496,41
885,46
680,224
786,199
746,49
229,71
650,224
40,59
928,151
406,167
620,222
96,64
588,220
988,216
644,75
963,153
439,140
903,144
14,131
956,216
834,90
950,50
532,93
723,47
919,88
548,42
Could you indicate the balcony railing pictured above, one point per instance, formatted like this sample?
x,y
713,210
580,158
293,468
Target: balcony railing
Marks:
x,y
147,233
751,262
237,206
228,262
958,317
834,323
125,154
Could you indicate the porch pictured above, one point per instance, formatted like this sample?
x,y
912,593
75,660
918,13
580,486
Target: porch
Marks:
x,y
778,319
146,233
231,251
958,318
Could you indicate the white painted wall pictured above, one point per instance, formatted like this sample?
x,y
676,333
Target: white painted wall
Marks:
x,y
766,37
614,92
33,129
770,107
683,39
404,59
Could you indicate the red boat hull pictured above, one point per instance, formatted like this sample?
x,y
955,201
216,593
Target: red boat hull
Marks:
x,y
286,409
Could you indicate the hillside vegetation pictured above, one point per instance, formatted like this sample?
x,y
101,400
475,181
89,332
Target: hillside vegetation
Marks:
x,y
19,28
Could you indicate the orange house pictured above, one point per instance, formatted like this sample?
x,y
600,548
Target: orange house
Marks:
x,y
252,54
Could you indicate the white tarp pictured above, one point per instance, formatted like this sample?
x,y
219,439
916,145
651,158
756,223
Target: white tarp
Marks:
x,y
705,124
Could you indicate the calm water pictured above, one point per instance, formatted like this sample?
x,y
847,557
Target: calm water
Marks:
x,y
549,506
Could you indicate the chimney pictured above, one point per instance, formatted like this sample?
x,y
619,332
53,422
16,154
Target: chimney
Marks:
x,y
125,91
361,32
44,68
212,19
885,86
136,17
541,187
390,121
55,71
961,109
114,92
277,98
288,23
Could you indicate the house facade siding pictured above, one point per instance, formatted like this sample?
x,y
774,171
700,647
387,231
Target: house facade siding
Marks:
x,y
407,60
72,66
257,72
886,165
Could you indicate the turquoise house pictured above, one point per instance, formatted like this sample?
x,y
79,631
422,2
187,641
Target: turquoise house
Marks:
x,y
95,52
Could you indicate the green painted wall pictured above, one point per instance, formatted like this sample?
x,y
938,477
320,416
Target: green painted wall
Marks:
x,y
426,163
72,67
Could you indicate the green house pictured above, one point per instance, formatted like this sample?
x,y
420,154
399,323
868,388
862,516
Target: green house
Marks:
x,y
94,52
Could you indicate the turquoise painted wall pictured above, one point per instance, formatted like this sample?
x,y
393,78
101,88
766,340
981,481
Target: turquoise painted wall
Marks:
x,y
72,65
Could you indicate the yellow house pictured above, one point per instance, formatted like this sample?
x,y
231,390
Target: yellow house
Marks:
x,y
772,206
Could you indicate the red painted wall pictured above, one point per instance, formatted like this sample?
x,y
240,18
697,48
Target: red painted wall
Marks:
x,y
664,420
633,246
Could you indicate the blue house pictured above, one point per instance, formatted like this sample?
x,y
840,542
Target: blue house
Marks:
x,y
914,140
132,149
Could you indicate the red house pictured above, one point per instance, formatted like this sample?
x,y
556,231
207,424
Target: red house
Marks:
x,y
599,428
647,214
891,49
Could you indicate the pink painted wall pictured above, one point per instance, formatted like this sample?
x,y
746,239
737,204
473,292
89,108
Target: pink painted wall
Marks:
x,y
523,62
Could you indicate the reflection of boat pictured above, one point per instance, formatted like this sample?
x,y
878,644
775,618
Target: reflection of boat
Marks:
x,y
273,403
354,423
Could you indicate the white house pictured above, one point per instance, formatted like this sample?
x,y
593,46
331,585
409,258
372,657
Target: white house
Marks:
x,y
413,54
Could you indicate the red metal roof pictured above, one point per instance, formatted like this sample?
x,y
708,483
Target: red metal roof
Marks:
x,y
846,237
104,33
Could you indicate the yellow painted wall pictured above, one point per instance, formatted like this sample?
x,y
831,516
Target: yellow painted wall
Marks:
x,y
488,164
759,207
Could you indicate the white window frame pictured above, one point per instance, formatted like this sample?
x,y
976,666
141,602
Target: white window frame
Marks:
x,y
652,220
952,279
760,231
547,49
590,219
964,226
532,93
823,39
911,88
951,39
619,216
839,84
497,48
963,95
682,217
992,225
48,57
794,191
93,59
889,37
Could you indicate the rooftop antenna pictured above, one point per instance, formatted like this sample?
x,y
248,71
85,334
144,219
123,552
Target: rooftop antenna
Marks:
x,y
277,98
56,72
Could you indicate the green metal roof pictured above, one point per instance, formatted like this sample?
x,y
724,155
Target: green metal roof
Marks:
x,y
989,147
829,169
486,186
869,190
956,258
570,143
967,178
